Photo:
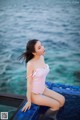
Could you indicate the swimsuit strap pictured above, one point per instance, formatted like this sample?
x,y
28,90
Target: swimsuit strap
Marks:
x,y
28,76
35,72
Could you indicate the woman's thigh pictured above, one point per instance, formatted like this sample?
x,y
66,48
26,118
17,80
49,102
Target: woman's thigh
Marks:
x,y
43,100
50,93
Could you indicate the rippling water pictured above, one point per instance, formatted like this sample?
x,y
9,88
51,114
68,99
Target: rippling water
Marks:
x,y
56,24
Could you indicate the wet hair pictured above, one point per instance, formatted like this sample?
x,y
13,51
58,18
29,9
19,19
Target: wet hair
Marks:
x,y
30,47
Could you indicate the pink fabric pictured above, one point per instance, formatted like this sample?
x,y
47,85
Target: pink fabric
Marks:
x,y
39,77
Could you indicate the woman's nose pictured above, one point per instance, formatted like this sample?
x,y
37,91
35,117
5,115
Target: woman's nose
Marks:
x,y
43,47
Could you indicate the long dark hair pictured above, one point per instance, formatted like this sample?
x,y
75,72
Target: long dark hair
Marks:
x,y
30,47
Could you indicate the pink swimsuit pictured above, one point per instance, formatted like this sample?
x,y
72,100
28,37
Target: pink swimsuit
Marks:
x,y
39,76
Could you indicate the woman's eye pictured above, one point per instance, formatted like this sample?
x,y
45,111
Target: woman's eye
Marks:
x,y
39,47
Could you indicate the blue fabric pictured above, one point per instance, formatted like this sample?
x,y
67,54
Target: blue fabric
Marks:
x,y
70,111
30,114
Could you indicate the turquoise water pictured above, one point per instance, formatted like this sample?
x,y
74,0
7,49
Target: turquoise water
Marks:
x,y
56,24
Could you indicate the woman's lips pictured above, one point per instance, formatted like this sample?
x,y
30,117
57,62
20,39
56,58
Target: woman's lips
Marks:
x,y
43,51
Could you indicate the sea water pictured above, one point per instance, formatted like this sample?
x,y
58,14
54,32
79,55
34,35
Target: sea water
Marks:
x,y
56,24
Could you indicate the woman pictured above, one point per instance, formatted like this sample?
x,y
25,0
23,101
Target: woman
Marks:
x,y
37,91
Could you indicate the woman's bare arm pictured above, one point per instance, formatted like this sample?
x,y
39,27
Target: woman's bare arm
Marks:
x,y
29,80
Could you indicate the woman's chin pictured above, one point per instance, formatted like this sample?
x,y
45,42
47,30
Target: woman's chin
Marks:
x,y
43,53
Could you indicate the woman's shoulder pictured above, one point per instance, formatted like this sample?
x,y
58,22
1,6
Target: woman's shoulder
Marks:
x,y
29,63
30,66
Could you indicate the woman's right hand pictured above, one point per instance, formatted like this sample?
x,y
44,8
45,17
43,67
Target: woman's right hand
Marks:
x,y
27,106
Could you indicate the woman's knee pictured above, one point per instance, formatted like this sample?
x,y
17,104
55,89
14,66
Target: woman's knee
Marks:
x,y
62,101
55,105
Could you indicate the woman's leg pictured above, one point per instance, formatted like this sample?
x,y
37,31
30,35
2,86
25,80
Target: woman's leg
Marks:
x,y
43,100
52,94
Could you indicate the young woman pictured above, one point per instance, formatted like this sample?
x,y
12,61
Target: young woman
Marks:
x,y
37,91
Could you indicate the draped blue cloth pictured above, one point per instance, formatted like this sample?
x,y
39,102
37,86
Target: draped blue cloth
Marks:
x,y
70,110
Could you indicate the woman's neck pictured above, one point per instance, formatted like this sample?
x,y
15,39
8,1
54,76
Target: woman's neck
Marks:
x,y
37,58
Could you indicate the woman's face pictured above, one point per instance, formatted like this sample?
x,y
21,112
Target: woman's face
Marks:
x,y
39,48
